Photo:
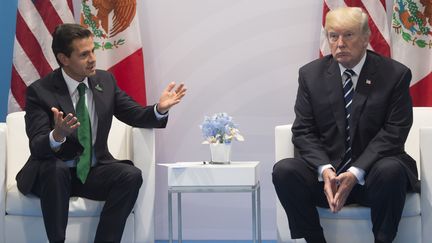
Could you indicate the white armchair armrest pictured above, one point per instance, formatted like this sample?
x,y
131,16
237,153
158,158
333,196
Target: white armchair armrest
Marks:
x,y
143,147
284,146
283,149
2,179
426,181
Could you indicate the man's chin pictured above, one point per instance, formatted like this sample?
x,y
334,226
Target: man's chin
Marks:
x,y
344,60
91,73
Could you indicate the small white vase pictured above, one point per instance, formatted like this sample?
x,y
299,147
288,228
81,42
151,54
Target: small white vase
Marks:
x,y
220,153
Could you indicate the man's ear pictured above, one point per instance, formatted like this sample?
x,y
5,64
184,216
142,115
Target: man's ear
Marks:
x,y
366,41
63,59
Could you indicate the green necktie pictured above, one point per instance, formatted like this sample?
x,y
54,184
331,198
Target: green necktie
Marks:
x,y
84,134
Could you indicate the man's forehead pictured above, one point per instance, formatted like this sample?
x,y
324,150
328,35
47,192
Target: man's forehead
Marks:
x,y
83,44
343,29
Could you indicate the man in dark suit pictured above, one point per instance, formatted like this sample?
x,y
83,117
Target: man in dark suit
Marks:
x,y
353,114
58,139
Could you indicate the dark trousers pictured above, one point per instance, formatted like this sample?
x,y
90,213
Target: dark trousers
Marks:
x,y
117,184
299,192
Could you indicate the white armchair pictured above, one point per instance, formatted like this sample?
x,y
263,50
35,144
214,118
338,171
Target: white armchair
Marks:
x,y
352,224
21,216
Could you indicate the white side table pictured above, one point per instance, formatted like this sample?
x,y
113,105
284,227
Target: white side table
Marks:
x,y
196,177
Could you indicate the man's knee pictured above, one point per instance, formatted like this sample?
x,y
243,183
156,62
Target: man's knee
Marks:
x,y
387,178
285,169
54,170
390,171
133,176
54,176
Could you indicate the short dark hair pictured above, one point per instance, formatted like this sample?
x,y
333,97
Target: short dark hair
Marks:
x,y
64,35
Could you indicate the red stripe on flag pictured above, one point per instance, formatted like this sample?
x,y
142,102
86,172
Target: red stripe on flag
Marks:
x,y
354,2
326,9
377,41
18,88
70,4
49,14
421,92
31,47
131,80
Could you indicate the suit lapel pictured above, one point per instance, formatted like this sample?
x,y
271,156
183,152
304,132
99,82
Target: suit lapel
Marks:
x,y
333,81
96,86
63,98
62,93
97,89
363,88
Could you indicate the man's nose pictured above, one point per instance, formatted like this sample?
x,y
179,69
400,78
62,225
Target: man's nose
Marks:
x,y
92,57
340,42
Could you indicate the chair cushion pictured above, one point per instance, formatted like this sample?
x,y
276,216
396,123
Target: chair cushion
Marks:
x,y
411,208
18,204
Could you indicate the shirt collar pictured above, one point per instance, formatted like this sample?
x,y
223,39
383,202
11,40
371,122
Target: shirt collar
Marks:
x,y
357,68
72,84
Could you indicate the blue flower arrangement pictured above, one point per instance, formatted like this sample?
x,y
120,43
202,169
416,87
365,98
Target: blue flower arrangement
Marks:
x,y
220,129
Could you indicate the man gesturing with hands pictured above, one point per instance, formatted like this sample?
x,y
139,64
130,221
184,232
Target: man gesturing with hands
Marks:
x,y
68,119
64,126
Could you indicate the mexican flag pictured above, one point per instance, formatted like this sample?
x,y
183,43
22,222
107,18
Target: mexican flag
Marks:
x,y
116,30
411,38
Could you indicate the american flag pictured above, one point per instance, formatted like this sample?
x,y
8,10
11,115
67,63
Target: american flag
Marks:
x,y
119,52
376,9
32,56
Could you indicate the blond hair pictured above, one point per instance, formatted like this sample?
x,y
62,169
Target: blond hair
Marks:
x,y
347,17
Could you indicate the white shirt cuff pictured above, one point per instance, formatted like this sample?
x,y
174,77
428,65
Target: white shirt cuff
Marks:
x,y
358,173
55,146
321,170
158,115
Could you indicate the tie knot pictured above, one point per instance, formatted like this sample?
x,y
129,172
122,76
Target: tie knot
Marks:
x,y
349,73
82,89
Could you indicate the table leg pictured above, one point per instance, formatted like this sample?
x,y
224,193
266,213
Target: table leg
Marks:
x,y
259,212
254,218
179,217
170,224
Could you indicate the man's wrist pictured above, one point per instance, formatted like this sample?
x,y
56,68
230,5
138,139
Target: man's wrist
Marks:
x,y
159,115
358,173
321,170
55,145
57,138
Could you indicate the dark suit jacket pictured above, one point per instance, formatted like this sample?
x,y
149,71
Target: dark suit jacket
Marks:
x,y
380,120
52,91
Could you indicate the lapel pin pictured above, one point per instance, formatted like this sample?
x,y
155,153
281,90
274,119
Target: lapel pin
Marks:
x,y
368,82
98,88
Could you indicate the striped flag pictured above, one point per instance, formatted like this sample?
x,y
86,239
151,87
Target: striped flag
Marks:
x,y
116,30
412,45
376,9
116,35
32,55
